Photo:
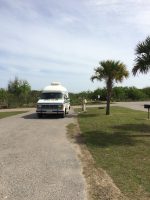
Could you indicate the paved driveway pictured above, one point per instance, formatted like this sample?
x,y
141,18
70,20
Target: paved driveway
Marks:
x,y
37,162
137,105
133,105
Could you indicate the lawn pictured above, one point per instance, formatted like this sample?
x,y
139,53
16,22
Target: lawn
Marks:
x,y
120,144
8,114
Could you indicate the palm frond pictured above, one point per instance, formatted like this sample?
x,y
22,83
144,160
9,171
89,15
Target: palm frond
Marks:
x,y
110,69
142,61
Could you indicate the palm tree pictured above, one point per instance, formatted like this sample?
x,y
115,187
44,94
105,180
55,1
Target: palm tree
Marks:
x,y
142,61
111,71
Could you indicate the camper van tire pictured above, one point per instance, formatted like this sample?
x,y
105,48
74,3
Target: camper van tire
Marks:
x,y
39,115
63,114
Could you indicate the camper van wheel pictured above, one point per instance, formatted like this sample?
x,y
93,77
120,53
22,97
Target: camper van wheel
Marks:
x,y
67,111
39,115
63,114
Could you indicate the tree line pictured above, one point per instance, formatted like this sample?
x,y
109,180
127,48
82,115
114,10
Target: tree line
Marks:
x,y
118,94
20,94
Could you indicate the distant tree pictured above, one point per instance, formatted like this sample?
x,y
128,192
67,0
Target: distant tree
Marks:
x,y
34,96
102,92
147,91
19,90
25,89
3,96
142,61
14,86
111,71
135,94
119,93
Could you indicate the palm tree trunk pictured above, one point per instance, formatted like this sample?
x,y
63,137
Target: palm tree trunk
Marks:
x,y
108,106
109,89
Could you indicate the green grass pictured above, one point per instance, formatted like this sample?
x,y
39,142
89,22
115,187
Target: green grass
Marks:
x,y
120,144
8,114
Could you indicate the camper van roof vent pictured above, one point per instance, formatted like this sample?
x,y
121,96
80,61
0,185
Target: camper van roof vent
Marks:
x,y
55,83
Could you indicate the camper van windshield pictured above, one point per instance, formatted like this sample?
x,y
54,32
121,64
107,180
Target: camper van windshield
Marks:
x,y
51,95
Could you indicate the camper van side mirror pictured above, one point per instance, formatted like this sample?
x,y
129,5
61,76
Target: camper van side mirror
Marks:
x,y
67,99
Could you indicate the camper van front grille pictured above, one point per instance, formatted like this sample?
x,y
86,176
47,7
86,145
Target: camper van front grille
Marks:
x,y
50,107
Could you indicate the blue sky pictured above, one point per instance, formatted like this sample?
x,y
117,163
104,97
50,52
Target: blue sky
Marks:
x,y
49,40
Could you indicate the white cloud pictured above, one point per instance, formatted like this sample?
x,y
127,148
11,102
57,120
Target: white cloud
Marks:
x,y
131,12
69,37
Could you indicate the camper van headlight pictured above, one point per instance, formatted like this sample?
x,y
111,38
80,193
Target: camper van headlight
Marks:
x,y
60,107
39,105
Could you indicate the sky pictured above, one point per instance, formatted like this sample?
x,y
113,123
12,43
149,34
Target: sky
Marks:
x,y
42,41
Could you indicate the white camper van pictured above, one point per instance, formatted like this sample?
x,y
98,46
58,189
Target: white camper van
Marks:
x,y
54,100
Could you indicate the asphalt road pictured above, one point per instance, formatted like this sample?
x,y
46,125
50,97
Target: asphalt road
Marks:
x,y
137,105
133,105
37,162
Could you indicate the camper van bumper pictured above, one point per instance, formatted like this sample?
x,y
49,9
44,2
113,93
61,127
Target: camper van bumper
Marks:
x,y
50,112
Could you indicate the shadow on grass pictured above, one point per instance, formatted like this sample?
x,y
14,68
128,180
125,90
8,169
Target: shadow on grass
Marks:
x,y
103,139
122,136
101,108
87,115
136,128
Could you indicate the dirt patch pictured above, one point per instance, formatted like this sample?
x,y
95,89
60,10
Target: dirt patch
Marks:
x,y
100,186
